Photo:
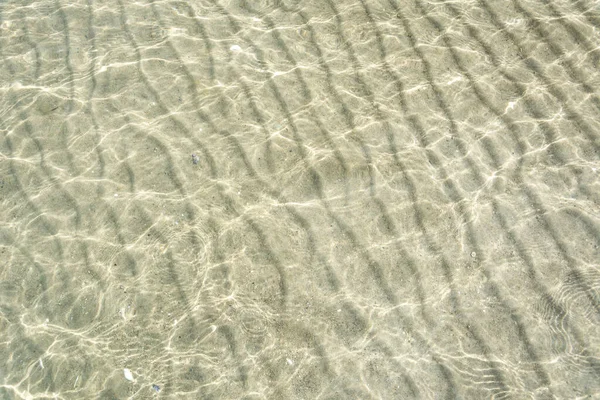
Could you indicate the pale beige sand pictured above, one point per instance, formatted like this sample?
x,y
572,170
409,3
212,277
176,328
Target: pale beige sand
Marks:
x,y
392,199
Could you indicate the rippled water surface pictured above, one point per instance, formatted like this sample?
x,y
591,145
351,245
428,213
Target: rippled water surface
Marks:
x,y
372,199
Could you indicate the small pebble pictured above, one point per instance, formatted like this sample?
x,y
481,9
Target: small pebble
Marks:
x,y
473,254
235,47
195,159
156,388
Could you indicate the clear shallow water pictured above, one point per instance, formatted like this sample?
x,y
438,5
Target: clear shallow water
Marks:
x,y
386,199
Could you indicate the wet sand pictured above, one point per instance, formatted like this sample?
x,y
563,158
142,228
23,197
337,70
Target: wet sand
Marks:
x,y
299,200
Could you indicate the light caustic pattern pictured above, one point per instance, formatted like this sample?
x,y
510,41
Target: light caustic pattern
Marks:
x,y
287,199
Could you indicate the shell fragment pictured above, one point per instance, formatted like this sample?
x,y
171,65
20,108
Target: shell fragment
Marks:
x,y
128,374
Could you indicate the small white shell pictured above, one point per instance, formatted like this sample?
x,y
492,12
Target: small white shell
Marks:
x,y
128,374
235,47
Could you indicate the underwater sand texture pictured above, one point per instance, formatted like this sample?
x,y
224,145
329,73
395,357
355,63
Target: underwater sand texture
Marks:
x,y
278,199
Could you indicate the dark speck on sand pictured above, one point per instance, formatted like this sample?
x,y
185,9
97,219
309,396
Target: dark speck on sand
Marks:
x,y
195,158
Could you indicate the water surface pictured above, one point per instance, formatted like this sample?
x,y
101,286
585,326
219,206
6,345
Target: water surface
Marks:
x,y
373,199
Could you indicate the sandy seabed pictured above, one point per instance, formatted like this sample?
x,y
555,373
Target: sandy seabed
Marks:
x,y
373,199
